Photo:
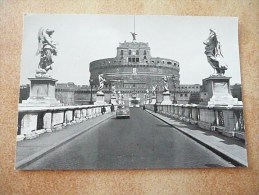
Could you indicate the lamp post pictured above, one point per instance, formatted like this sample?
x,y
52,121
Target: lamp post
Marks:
x,y
91,85
173,78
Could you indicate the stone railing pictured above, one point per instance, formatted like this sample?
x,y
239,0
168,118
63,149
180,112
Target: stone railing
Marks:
x,y
225,119
33,121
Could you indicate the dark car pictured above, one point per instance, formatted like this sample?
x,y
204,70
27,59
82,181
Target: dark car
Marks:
x,y
122,112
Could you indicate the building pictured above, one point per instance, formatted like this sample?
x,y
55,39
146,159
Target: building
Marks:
x,y
65,93
134,70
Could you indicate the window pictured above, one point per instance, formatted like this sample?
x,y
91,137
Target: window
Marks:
x,y
175,64
181,95
186,95
133,59
137,52
122,52
163,61
129,59
169,62
137,59
145,52
145,57
129,52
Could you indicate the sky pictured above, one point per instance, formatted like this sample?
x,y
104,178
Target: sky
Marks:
x,y
85,38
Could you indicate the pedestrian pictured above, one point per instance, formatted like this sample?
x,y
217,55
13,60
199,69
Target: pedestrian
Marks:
x,y
155,108
144,107
103,110
112,108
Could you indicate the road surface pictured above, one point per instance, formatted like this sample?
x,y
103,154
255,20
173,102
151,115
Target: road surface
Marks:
x,y
140,142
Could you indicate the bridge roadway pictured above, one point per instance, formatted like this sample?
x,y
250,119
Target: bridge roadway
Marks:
x,y
140,142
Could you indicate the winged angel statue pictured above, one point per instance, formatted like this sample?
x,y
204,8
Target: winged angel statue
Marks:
x,y
46,50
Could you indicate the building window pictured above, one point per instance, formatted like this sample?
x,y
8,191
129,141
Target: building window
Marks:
x,y
133,59
137,59
163,61
181,95
145,57
145,52
169,62
186,95
153,61
122,52
129,59
137,52
175,64
129,52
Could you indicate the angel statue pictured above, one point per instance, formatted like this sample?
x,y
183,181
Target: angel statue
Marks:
x,y
165,80
101,82
133,35
113,90
213,53
46,49
154,90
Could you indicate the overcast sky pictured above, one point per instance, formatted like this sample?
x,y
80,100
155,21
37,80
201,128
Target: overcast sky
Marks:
x,y
85,38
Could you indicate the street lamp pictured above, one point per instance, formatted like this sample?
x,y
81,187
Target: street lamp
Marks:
x,y
174,79
91,85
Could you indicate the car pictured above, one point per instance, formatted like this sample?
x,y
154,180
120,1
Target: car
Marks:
x,y
122,112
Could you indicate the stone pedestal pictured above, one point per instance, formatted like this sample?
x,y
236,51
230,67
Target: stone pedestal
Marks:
x,y
218,89
99,98
147,101
153,100
113,100
42,93
166,99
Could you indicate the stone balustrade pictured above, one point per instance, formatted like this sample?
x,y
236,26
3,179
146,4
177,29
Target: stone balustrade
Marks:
x,y
226,120
33,121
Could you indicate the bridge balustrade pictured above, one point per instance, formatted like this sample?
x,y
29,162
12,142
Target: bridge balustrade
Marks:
x,y
226,120
33,121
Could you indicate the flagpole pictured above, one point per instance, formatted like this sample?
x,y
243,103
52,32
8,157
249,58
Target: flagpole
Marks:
x,y
134,24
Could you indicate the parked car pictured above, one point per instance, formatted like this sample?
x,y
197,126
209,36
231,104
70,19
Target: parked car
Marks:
x,y
122,112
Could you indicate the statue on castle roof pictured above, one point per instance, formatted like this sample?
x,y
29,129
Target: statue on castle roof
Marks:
x,y
213,53
133,35
46,49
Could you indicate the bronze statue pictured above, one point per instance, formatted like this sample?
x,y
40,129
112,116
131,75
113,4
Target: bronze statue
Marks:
x,y
133,35
213,53
46,49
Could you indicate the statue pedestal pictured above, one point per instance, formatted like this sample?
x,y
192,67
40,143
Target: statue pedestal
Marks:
x,y
166,99
147,101
42,93
218,89
100,98
113,100
153,100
